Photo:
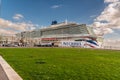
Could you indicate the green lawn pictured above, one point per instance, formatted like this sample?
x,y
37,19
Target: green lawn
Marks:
x,y
63,63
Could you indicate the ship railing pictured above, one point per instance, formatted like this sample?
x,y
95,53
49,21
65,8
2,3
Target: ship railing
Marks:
x,y
65,35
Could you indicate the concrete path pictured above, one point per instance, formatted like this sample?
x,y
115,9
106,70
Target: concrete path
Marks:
x,y
3,75
6,71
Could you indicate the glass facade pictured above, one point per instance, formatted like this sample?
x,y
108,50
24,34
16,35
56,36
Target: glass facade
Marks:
x,y
78,29
68,29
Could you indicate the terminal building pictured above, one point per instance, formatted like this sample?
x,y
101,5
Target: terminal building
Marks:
x,y
7,39
59,32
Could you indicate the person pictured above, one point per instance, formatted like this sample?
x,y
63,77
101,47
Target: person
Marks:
x,y
52,44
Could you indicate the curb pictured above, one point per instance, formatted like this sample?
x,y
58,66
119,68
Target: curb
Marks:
x,y
8,72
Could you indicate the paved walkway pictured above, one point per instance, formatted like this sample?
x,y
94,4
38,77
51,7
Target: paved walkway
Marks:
x,y
3,76
6,71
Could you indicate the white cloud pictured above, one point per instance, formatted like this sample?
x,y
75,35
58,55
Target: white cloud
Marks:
x,y
115,35
18,16
6,32
56,6
9,27
92,16
109,1
109,18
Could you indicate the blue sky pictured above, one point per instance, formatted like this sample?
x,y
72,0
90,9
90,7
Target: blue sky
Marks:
x,y
22,15
42,12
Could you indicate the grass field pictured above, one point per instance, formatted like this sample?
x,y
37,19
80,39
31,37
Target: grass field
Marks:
x,y
63,63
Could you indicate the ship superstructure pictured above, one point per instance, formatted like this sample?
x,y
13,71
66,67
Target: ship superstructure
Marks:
x,y
58,33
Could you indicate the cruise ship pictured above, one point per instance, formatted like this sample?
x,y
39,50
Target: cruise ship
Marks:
x,y
65,34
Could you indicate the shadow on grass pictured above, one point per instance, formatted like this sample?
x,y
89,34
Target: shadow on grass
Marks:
x,y
40,61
